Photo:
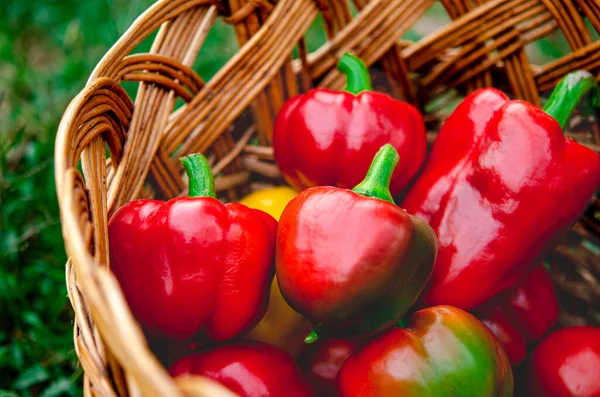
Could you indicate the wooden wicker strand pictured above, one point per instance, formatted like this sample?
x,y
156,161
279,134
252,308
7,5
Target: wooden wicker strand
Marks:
x,y
248,13
245,74
146,131
376,16
202,121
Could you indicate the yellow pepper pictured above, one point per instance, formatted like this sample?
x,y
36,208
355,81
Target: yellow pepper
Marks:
x,y
272,200
281,326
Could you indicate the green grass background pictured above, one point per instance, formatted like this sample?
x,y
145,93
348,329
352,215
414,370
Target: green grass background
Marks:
x,y
47,50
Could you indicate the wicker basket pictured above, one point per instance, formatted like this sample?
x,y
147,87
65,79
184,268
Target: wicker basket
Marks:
x,y
484,45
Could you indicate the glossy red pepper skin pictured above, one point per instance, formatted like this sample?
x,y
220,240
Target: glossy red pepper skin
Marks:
x,y
444,351
524,314
328,138
192,267
566,364
353,265
502,183
248,368
509,337
323,360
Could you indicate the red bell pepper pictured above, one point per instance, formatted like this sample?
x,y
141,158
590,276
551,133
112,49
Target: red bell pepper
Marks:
x,y
352,262
502,184
328,138
323,360
248,368
191,266
522,315
566,364
444,352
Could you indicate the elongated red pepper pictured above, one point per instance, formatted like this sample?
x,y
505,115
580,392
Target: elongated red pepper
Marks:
x,y
248,368
328,138
444,352
191,266
524,314
352,262
566,364
323,360
502,184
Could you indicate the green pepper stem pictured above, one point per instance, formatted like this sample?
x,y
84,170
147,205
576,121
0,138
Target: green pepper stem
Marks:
x,y
201,182
357,74
402,323
377,182
568,93
312,337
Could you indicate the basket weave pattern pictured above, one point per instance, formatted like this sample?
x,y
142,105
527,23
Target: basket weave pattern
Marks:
x,y
484,45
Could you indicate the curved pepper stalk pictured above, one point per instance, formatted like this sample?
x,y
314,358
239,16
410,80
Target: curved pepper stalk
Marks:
x,y
377,182
568,94
357,74
201,182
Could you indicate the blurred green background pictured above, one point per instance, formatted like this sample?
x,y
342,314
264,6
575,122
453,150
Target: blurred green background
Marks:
x,y
47,50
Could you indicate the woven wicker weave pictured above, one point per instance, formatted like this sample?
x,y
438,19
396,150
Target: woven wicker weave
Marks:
x,y
484,45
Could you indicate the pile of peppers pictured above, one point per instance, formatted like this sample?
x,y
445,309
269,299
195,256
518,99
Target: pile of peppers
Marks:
x,y
381,270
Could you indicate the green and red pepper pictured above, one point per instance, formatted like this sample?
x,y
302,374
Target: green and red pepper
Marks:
x,y
444,351
352,262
